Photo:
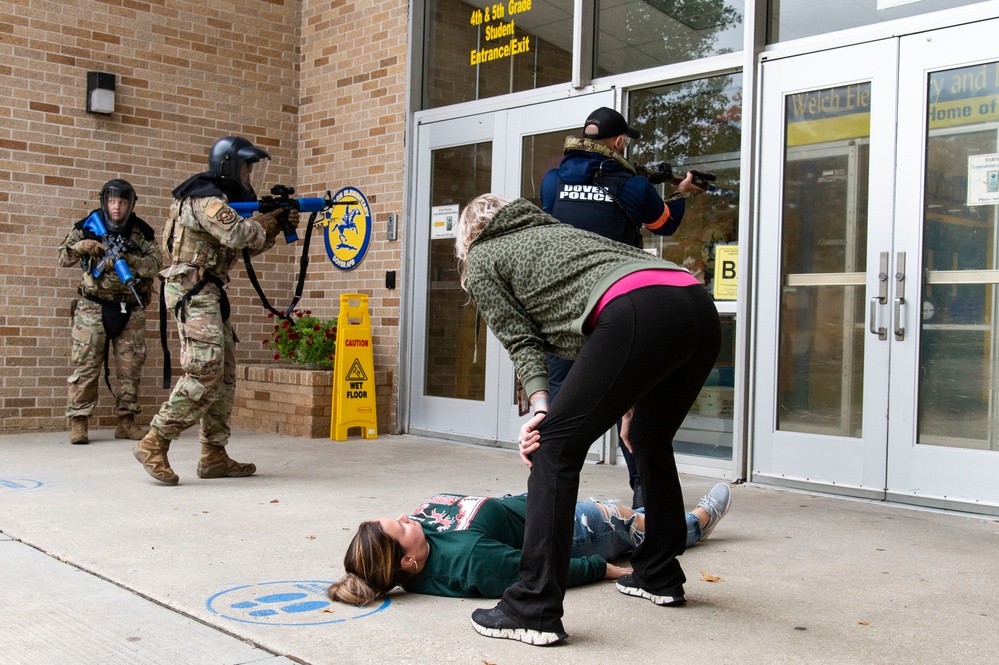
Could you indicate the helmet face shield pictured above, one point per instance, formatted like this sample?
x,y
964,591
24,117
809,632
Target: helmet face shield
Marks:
x,y
253,174
117,203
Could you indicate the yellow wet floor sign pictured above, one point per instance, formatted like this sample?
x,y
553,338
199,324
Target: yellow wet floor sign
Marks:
x,y
353,371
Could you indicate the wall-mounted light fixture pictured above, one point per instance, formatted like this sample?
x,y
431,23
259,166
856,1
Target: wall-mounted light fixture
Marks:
x,y
100,93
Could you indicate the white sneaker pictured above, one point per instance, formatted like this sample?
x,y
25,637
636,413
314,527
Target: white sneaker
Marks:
x,y
715,503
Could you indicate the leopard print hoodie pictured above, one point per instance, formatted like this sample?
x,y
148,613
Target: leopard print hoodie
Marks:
x,y
535,281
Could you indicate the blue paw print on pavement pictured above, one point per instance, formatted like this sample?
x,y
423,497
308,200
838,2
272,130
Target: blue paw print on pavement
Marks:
x,y
290,603
285,600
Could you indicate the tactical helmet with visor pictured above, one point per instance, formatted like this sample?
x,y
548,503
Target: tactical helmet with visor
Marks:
x,y
240,167
117,203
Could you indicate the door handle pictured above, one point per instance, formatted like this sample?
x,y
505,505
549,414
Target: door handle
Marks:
x,y
899,295
880,299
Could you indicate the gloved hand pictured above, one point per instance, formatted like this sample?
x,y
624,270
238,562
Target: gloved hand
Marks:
x,y
88,246
269,221
294,218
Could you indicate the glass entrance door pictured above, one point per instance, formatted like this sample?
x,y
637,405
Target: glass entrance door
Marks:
x,y
455,363
947,451
877,355
463,384
822,379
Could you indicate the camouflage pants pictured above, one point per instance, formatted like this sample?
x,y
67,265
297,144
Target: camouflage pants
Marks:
x,y
208,357
129,349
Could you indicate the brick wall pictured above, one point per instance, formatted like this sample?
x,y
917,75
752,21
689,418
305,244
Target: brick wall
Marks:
x,y
319,85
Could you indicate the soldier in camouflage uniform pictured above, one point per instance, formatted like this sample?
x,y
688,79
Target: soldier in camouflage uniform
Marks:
x,y
204,237
107,314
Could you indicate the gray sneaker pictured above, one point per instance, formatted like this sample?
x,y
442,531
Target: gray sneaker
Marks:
x,y
715,503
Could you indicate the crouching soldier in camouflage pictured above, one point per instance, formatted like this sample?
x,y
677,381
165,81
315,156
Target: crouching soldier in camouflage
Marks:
x,y
108,313
204,237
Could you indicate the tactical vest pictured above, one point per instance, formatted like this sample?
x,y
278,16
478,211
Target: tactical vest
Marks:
x,y
186,242
108,285
597,207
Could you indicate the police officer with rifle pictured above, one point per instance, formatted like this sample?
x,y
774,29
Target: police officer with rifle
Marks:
x,y
119,257
597,189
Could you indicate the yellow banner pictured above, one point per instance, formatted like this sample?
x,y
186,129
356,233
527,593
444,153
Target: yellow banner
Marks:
x,y
807,132
964,112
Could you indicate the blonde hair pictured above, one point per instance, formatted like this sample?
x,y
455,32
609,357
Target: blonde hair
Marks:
x,y
374,567
473,219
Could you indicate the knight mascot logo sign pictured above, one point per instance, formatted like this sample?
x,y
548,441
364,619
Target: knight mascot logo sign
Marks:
x,y
348,226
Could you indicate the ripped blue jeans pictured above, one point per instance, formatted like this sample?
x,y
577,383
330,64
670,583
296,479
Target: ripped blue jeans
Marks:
x,y
613,536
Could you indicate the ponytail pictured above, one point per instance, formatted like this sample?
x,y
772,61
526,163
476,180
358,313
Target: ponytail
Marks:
x,y
373,564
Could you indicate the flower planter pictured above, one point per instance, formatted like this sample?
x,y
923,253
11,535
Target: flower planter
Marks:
x,y
291,400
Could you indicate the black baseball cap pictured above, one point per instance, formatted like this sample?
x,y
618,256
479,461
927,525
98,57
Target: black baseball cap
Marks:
x,y
608,124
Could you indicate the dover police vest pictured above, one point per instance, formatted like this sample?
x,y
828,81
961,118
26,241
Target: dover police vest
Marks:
x,y
597,207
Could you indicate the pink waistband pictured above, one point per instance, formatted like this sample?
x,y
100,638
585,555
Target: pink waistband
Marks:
x,y
637,280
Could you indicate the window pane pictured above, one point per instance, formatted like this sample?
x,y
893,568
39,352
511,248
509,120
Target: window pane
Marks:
x,y
694,125
456,350
698,125
478,49
820,374
539,154
959,347
794,19
639,34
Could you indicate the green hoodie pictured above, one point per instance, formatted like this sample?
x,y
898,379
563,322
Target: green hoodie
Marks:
x,y
475,547
536,280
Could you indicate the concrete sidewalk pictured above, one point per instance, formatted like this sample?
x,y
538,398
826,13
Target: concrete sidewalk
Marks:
x,y
101,564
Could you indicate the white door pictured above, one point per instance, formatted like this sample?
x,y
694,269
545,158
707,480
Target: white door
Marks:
x,y
876,362
822,377
943,444
455,363
463,384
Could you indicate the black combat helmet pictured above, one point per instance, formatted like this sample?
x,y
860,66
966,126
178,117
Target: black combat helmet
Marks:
x,y
117,189
226,161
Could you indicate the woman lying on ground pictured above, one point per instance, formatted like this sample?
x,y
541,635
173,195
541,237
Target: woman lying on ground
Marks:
x,y
469,546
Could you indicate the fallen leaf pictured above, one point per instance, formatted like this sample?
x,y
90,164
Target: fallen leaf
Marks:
x,y
328,609
709,578
864,623
311,537
274,500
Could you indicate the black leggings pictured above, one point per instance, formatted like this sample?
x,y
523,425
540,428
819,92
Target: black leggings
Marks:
x,y
652,348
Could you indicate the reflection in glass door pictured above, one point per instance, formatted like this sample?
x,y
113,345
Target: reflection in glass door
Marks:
x,y
820,378
957,356
454,336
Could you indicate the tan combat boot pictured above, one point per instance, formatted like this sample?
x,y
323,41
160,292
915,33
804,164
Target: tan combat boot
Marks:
x,y
152,454
215,463
78,430
128,428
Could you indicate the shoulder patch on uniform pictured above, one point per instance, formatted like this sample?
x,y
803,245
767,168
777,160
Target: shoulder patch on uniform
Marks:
x,y
221,212
227,216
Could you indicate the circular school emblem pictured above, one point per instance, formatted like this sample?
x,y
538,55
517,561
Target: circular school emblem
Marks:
x,y
348,228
